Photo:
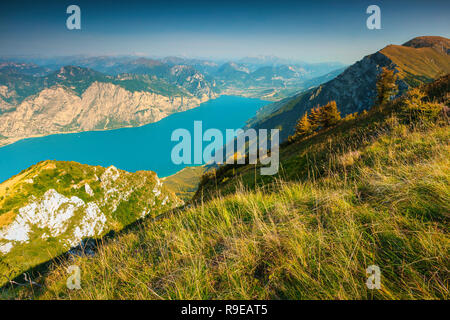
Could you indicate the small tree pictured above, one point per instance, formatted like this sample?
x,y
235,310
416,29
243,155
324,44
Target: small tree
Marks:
x,y
416,108
351,116
386,86
315,118
330,114
303,126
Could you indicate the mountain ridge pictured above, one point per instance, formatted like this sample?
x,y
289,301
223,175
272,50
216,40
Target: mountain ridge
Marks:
x,y
354,89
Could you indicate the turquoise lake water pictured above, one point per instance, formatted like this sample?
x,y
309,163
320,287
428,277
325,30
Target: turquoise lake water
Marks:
x,y
144,148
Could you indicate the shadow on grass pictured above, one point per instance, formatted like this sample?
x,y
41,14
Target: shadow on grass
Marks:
x,y
33,277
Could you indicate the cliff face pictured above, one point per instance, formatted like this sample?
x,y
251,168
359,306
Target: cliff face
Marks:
x,y
52,206
193,81
101,106
354,90
73,98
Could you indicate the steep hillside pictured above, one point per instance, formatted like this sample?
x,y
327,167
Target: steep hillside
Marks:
x,y
52,206
193,81
369,191
268,109
354,90
416,66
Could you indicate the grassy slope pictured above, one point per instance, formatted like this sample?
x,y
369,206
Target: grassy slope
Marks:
x,y
68,179
185,182
422,63
371,191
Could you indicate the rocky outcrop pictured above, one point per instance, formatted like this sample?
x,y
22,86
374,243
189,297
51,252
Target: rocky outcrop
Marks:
x,y
193,81
53,206
55,214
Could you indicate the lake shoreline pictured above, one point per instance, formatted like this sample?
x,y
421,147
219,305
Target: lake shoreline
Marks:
x,y
13,140
131,148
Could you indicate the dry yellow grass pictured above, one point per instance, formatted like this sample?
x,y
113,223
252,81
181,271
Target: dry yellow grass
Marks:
x,y
386,202
425,62
7,218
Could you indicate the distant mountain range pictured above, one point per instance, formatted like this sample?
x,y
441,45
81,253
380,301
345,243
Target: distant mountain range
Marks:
x,y
417,61
100,93
271,82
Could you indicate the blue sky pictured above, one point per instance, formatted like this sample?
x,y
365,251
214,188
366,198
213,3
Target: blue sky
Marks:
x,y
312,31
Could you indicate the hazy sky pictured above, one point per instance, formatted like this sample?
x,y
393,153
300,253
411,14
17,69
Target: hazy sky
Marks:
x,y
311,31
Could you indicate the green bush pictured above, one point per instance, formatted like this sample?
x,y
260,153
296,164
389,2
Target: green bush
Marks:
x,y
415,109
